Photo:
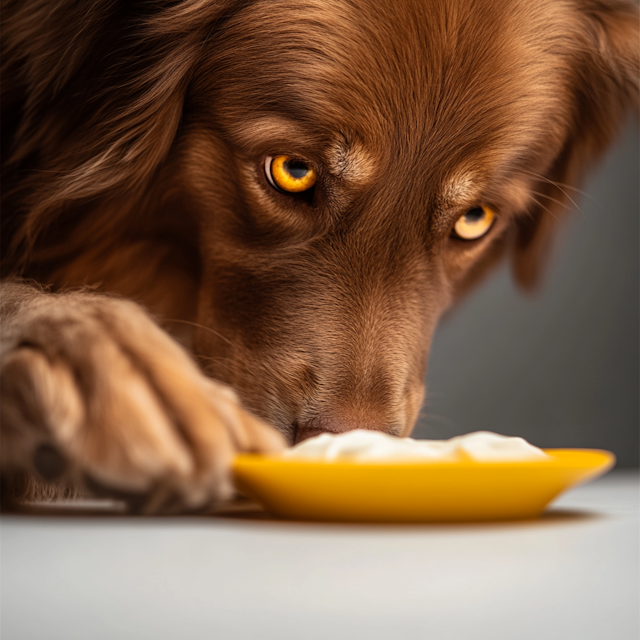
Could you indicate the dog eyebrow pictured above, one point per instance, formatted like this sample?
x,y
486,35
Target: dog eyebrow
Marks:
x,y
269,128
351,161
469,188
459,188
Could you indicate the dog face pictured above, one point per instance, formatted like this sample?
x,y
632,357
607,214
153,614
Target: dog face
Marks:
x,y
436,136
413,116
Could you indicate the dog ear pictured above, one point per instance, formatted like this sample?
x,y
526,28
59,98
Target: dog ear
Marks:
x,y
93,96
605,88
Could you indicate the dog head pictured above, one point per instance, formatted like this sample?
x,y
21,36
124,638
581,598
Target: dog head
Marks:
x,y
345,170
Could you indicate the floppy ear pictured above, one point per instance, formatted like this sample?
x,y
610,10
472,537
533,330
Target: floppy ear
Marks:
x,y
92,99
606,36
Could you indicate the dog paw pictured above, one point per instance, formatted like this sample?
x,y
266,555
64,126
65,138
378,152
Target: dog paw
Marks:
x,y
95,393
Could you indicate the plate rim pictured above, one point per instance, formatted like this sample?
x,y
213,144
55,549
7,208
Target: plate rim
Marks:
x,y
558,457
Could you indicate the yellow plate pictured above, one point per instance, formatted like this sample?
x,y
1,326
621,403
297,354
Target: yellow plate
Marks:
x,y
414,491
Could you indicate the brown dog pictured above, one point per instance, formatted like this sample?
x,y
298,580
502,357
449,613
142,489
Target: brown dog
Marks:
x,y
297,190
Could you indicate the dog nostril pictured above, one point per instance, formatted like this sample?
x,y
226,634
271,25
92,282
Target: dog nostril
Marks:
x,y
49,462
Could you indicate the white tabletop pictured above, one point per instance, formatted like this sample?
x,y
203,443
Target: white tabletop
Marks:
x,y
571,575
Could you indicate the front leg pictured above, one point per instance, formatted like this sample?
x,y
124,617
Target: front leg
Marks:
x,y
96,394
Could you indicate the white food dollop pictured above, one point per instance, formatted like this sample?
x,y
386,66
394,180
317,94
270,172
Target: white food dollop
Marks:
x,y
361,445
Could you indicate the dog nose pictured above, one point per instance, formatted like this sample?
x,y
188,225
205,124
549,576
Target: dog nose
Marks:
x,y
334,425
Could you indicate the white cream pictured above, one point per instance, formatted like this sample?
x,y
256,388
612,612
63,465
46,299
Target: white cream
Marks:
x,y
361,445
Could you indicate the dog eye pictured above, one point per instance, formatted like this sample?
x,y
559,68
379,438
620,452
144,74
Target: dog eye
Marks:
x,y
474,224
289,175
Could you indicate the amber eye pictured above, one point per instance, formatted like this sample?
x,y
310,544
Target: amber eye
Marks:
x,y
474,224
289,174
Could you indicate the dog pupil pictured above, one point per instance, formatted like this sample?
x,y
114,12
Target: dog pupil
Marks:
x,y
475,215
296,169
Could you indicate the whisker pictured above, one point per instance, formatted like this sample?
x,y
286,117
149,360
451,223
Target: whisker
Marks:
x,y
201,326
546,209
214,359
544,195
557,184
203,357
559,187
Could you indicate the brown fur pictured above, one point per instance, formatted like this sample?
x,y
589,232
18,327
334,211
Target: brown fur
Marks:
x,y
132,162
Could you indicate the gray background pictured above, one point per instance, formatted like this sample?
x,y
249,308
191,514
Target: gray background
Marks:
x,y
560,367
